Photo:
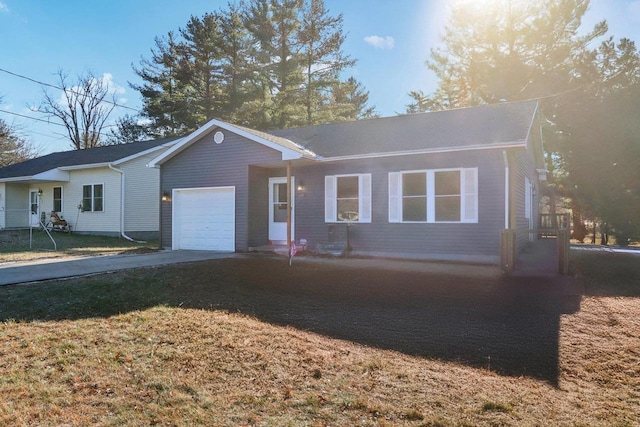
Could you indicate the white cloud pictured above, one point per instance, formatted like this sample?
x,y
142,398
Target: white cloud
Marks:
x,y
4,7
106,81
380,42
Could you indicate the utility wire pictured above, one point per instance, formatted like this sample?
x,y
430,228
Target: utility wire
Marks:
x,y
62,89
46,121
32,118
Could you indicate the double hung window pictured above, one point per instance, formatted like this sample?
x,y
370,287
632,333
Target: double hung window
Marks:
x,y
347,198
92,198
447,195
57,199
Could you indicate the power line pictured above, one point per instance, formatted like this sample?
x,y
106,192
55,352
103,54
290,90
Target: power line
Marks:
x,y
61,88
46,121
32,118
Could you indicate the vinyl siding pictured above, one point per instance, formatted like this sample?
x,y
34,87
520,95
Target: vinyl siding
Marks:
x,y
452,241
105,222
142,195
206,164
523,166
259,205
245,164
16,202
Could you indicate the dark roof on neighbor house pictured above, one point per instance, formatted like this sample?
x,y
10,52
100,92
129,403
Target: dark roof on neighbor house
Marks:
x,y
479,127
98,155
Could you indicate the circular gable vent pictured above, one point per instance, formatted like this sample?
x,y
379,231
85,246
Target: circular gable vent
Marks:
x,y
218,137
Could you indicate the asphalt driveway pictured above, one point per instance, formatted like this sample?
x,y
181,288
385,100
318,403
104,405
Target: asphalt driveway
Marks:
x,y
48,269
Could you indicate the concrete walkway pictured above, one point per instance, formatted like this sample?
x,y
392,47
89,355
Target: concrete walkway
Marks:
x,y
48,269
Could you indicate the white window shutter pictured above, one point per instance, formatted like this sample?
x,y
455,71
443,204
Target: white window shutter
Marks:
x,y
330,209
364,185
470,195
395,179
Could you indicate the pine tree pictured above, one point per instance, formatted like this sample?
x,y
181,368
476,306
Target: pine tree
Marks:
x,y
264,64
320,38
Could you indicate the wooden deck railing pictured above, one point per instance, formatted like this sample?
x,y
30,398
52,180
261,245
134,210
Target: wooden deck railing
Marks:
x,y
509,246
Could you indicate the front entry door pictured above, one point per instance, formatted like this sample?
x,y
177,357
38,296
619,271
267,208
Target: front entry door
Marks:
x,y
278,210
34,208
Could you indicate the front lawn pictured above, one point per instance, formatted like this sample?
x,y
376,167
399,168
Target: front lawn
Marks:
x,y
251,341
15,245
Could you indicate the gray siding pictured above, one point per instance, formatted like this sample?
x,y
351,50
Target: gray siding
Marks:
x,y
470,242
258,206
522,166
244,164
206,164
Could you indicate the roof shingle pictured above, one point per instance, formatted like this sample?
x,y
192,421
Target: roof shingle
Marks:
x,y
105,154
505,123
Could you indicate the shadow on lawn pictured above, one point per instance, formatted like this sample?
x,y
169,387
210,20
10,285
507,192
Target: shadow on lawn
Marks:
x,y
510,327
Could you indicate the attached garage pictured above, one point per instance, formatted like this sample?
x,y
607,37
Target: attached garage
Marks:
x,y
204,219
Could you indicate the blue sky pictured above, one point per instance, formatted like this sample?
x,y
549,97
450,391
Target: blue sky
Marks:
x,y
389,38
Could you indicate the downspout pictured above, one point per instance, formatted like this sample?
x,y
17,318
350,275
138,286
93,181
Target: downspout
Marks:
x,y
122,233
507,199
289,207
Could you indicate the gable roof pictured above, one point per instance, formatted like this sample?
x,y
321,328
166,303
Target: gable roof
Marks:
x,y
76,159
289,149
488,126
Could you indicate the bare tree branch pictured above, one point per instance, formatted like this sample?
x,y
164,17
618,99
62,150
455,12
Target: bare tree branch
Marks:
x,y
83,108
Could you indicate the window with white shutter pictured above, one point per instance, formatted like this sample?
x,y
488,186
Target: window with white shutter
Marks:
x,y
347,198
443,195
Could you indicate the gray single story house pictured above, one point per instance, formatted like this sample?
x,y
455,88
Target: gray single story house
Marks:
x,y
437,185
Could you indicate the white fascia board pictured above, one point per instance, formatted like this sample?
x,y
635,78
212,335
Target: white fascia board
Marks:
x,y
287,154
53,175
530,130
514,144
145,152
17,179
85,166
183,143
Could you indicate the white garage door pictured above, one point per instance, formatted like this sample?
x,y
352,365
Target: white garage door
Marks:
x,y
204,219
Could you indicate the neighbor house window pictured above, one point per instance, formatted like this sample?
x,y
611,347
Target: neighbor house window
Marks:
x,y
57,199
347,198
449,195
92,198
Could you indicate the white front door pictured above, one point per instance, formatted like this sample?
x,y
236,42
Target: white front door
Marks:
x,y
278,209
34,208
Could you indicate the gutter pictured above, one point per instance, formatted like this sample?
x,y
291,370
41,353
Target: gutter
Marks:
x,y
495,146
507,190
122,233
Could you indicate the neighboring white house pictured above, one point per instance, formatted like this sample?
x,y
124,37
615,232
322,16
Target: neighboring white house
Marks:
x,y
105,190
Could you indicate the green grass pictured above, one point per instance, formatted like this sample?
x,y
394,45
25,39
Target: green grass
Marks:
x,y
15,245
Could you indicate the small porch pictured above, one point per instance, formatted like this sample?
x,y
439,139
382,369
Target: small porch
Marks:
x,y
539,252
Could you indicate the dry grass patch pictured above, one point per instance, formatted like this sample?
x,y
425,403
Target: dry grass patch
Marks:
x,y
172,366
14,245
171,346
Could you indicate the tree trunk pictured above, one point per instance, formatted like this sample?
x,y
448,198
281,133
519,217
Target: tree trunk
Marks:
x,y
579,230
